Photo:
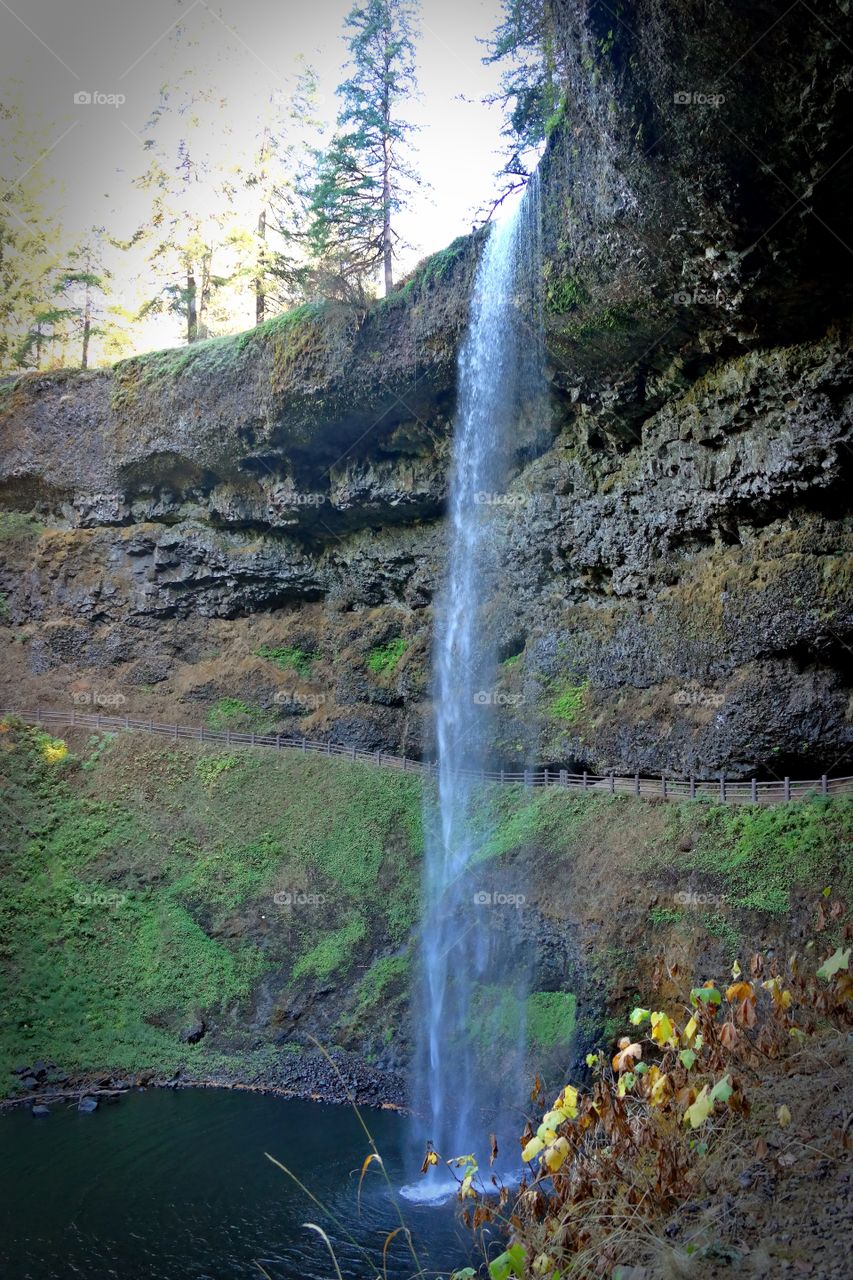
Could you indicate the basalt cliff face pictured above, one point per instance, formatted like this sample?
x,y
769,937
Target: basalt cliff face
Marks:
x,y
251,530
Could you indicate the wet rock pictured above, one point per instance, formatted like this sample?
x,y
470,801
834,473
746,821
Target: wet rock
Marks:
x,y
87,1105
38,1109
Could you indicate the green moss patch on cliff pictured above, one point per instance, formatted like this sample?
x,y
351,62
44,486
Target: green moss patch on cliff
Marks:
x,y
19,527
384,658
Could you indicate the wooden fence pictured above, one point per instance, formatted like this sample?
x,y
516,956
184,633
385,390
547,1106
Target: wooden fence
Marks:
x,y
722,789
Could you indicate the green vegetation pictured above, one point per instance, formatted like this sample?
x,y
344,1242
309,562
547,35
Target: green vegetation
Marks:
x,y
333,953
289,659
163,877
149,870
210,355
18,526
232,713
607,320
659,916
760,853
385,658
565,293
551,1018
567,701
385,975
497,1016
209,768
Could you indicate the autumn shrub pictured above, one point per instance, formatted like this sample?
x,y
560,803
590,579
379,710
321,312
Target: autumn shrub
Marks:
x,y
608,1161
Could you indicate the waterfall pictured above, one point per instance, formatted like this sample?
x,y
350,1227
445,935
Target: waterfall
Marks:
x,y
473,979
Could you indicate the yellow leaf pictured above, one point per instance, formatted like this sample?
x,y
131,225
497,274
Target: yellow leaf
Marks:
x,y
660,1088
663,1031
568,1102
783,1116
736,970
689,1030
531,1151
739,991
700,1110
555,1154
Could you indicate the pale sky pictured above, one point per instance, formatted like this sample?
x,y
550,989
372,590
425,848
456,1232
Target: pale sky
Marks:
x,y
243,49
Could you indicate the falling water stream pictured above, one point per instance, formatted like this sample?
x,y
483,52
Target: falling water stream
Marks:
x,y
466,1083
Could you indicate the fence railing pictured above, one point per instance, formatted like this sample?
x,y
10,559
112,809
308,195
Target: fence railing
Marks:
x,y
723,790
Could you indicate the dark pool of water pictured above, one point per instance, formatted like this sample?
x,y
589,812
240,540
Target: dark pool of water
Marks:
x,y
175,1186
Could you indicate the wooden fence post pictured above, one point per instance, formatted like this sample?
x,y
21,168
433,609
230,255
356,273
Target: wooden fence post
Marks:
x,y
612,783
722,788
692,787
304,744
787,788
584,779
636,784
754,791
564,778
663,785
352,752
824,785
502,776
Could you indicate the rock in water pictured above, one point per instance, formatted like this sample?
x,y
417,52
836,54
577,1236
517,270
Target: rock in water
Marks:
x,y
87,1105
39,1109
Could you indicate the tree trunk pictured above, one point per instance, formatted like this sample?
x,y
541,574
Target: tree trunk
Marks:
x,y
204,294
387,256
192,313
260,296
87,330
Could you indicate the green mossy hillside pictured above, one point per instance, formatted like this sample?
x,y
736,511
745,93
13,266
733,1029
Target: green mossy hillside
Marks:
x,y
145,885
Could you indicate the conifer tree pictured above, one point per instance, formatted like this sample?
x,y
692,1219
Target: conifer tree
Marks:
x,y
531,89
364,177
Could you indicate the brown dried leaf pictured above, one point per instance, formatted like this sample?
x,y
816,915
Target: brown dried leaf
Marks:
x,y
729,1036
